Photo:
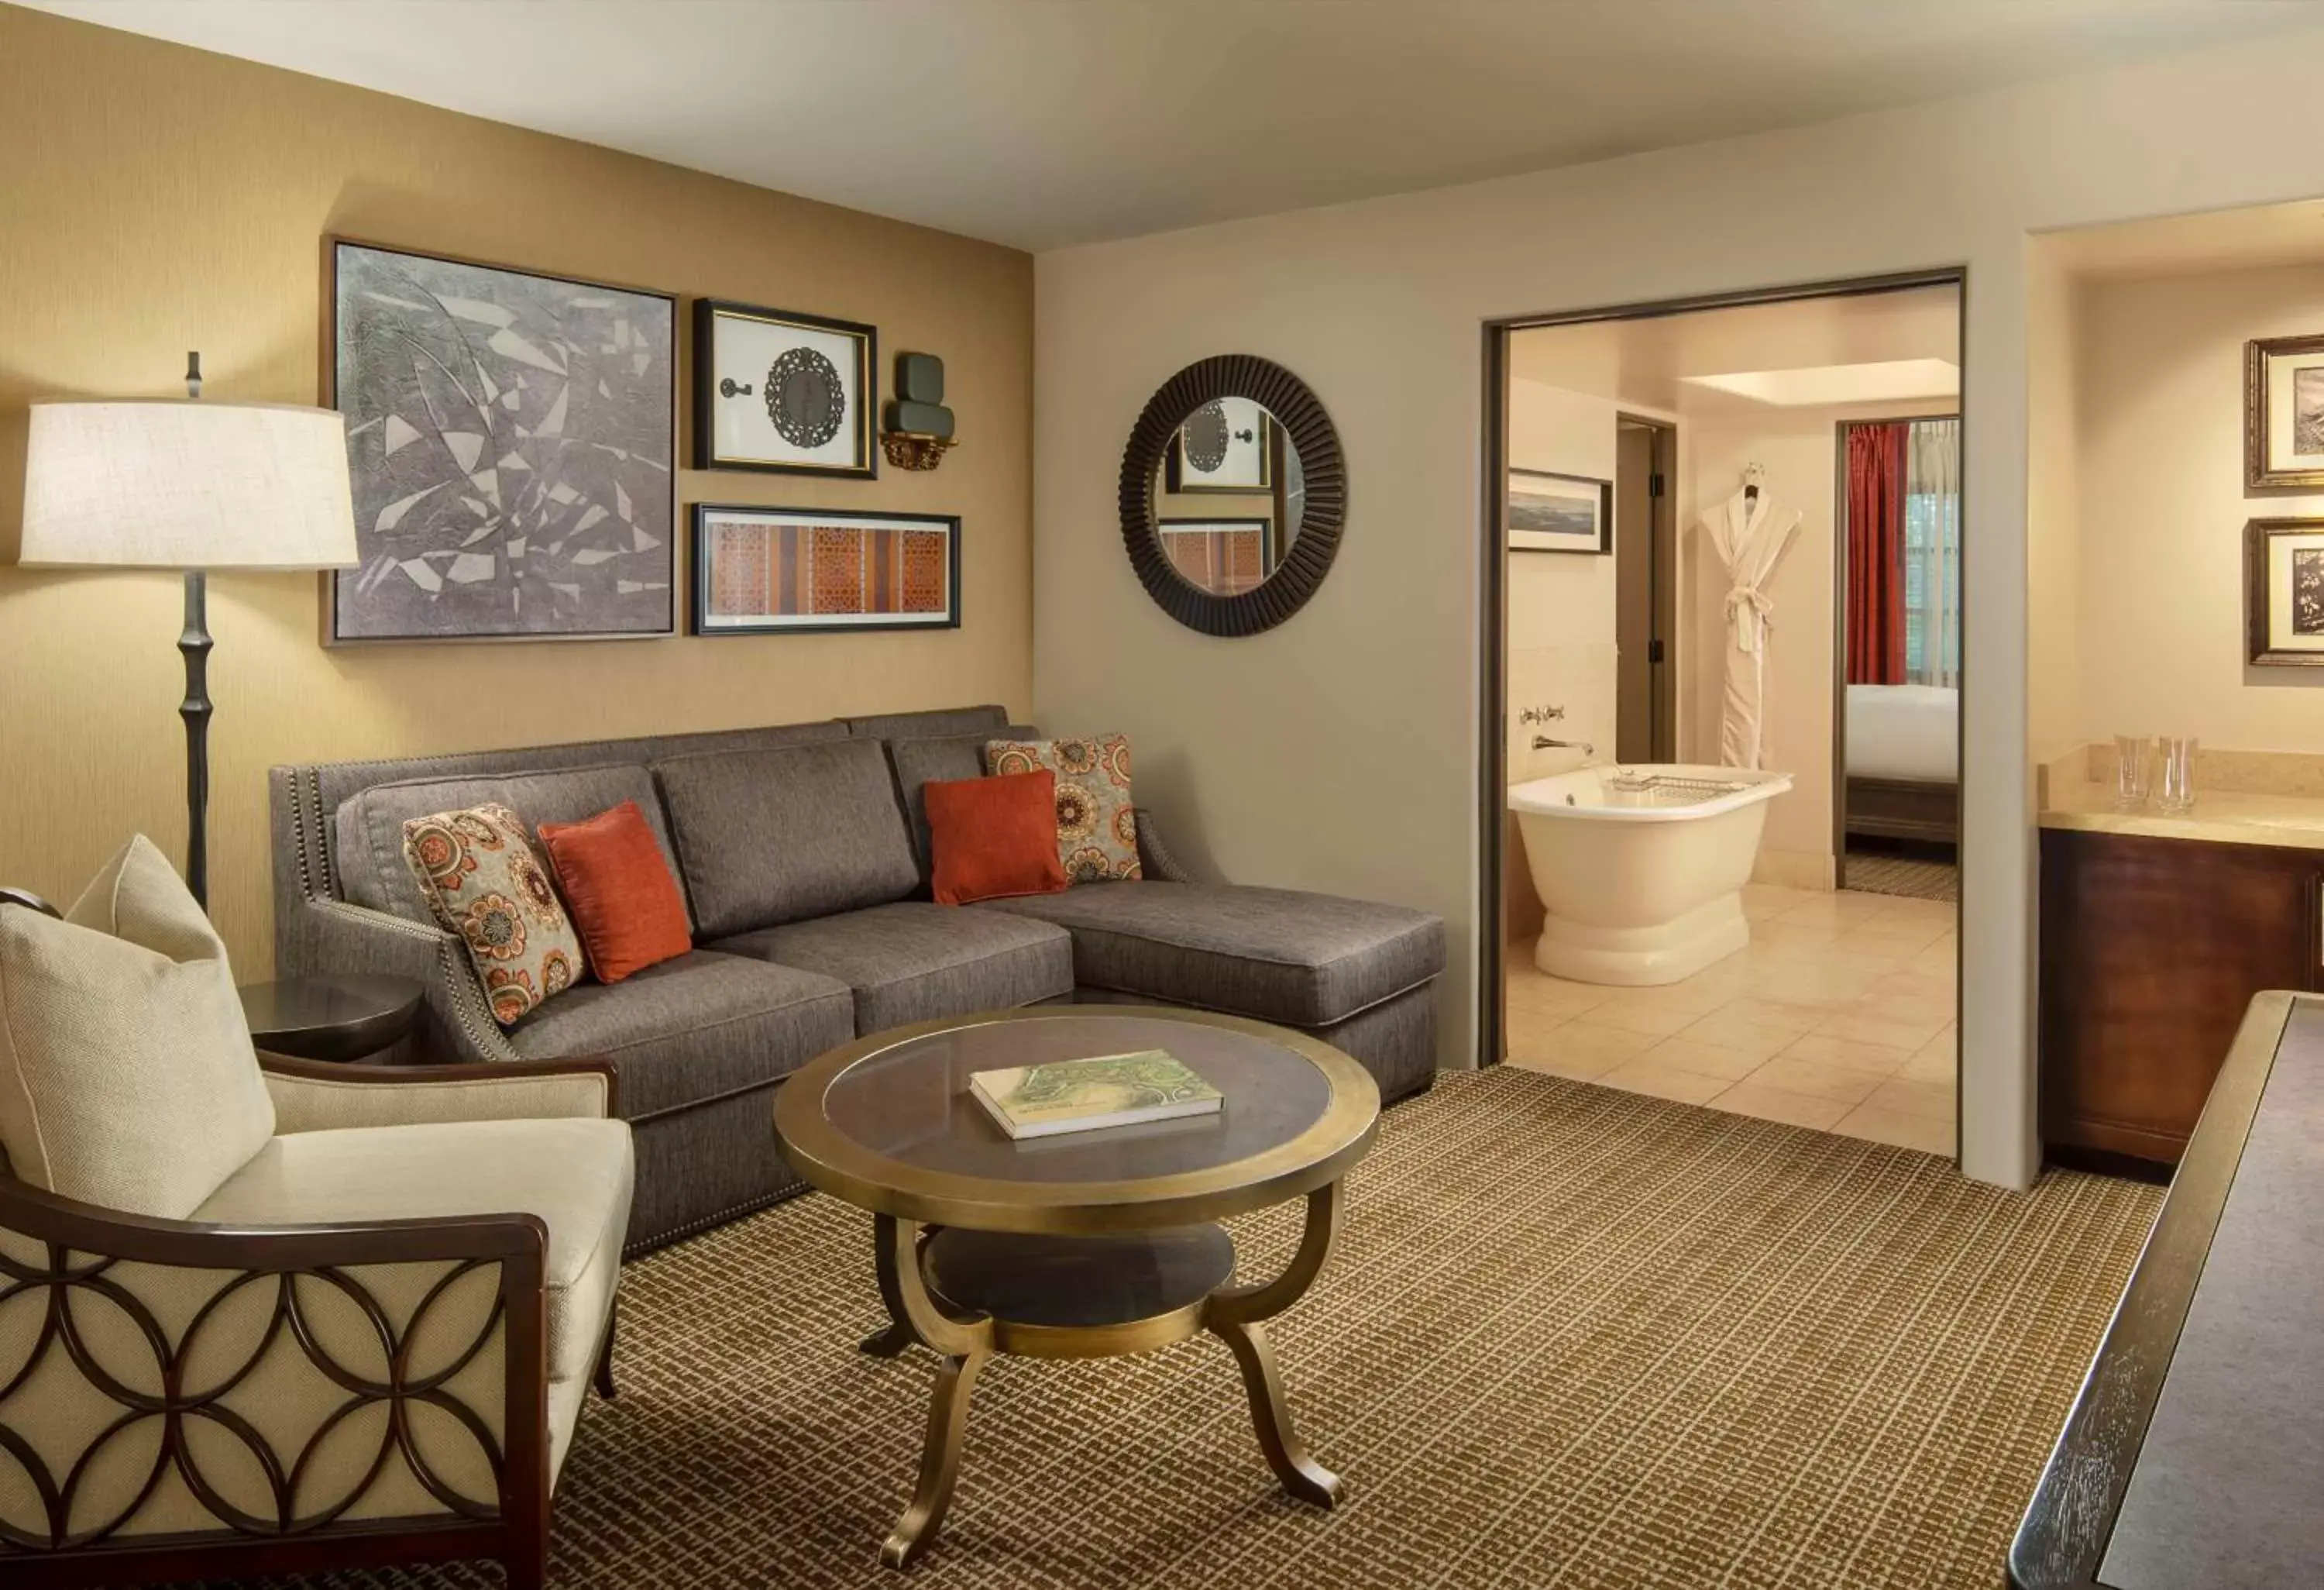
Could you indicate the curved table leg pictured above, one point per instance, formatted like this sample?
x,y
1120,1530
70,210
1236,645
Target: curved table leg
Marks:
x,y
1233,1316
964,1345
888,1342
1286,1454
939,1461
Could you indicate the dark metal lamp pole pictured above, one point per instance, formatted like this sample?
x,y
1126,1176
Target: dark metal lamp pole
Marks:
x,y
194,645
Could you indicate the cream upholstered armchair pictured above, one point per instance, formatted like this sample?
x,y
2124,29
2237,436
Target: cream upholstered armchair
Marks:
x,y
260,1316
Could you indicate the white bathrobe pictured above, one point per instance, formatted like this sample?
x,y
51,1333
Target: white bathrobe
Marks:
x,y
1751,539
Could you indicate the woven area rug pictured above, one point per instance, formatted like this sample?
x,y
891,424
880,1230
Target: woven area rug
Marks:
x,y
1909,875
1573,1337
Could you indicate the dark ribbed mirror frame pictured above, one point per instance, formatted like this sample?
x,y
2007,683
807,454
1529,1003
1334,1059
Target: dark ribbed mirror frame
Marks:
x,y
1309,429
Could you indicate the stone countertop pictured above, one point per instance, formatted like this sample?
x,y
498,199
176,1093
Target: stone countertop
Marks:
x,y
2227,817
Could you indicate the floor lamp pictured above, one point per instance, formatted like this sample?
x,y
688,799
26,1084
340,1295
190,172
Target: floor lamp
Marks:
x,y
166,484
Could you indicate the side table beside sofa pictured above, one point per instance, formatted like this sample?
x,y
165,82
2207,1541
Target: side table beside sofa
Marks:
x,y
803,855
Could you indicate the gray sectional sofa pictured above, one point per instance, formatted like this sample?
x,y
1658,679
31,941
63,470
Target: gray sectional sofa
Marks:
x,y
803,857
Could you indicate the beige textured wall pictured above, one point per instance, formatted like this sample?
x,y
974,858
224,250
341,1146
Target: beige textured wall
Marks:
x,y
2053,577
1562,620
154,198
2162,505
1341,751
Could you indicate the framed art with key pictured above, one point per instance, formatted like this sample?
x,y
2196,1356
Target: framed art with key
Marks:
x,y
789,393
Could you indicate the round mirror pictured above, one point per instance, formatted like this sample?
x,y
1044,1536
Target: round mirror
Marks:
x,y
1232,493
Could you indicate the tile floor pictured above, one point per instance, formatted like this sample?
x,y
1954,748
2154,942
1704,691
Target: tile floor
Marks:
x,y
1838,1017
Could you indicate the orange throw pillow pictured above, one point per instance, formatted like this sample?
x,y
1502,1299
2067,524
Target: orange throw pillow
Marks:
x,y
994,837
619,890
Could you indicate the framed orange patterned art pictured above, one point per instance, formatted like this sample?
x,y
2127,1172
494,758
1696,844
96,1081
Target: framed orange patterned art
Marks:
x,y
1225,557
778,570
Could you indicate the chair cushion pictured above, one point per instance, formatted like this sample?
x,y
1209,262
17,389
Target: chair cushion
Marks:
x,y
368,840
990,839
619,890
1097,827
914,961
575,1174
940,757
780,835
485,879
696,1028
127,1077
1277,954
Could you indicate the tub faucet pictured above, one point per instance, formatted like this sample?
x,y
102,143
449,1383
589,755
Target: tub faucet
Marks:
x,y
1543,743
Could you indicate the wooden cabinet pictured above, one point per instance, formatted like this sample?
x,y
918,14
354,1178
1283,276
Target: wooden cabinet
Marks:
x,y
2151,950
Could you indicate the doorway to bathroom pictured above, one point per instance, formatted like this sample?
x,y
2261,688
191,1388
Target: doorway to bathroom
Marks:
x,y
1681,859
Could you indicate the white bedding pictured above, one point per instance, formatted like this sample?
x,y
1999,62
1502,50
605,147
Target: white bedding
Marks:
x,y
1904,732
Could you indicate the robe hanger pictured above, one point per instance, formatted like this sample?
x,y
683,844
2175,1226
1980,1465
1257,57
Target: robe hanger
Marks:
x,y
1752,475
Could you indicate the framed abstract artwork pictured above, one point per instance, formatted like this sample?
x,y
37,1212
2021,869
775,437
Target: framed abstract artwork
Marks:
x,y
1546,512
1227,445
787,393
510,439
2284,413
2284,571
1225,557
778,570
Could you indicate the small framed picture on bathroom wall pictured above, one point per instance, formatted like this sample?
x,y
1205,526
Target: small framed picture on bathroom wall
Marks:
x,y
1541,511
2283,567
2284,413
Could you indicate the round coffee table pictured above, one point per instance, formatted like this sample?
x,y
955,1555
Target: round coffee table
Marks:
x,y
1084,1244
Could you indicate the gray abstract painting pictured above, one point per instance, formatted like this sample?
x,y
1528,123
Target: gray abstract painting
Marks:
x,y
510,439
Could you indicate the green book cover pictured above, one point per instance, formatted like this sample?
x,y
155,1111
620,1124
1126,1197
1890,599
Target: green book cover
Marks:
x,y
1082,1095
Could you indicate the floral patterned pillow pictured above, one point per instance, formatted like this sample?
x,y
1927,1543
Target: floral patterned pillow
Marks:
x,y
484,881
1097,831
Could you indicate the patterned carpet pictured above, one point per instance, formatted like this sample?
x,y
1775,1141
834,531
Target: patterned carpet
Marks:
x,y
1909,875
1573,1338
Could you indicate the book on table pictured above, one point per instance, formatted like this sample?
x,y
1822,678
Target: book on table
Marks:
x,y
1086,1094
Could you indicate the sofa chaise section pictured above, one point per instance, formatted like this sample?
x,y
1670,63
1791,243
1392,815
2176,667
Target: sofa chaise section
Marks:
x,y
1354,973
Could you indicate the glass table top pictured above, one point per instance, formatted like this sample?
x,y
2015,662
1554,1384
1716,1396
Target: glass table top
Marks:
x,y
909,1102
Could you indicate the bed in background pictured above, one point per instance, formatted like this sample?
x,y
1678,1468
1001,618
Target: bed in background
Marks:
x,y
1904,762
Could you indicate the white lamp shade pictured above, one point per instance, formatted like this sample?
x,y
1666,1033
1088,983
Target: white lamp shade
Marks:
x,y
188,485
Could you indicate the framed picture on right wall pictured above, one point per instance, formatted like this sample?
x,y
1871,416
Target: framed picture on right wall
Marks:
x,y
2284,569
2284,411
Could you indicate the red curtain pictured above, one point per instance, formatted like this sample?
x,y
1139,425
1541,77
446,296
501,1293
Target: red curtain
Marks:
x,y
1876,554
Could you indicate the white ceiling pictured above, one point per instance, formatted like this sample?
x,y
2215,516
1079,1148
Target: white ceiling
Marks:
x,y
1806,386
2256,238
1845,347
1043,123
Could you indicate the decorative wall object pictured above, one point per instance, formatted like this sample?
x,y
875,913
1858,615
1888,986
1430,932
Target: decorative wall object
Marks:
x,y
788,394
1225,557
1310,513
1224,446
2284,411
510,444
2283,567
769,570
920,426
1544,512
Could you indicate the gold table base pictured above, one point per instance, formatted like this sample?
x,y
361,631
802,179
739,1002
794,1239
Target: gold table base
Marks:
x,y
964,1338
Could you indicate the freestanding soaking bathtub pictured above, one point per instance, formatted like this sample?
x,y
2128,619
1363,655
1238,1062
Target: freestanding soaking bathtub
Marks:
x,y
1641,869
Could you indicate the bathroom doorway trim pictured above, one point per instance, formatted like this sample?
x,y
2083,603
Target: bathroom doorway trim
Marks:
x,y
1492,575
